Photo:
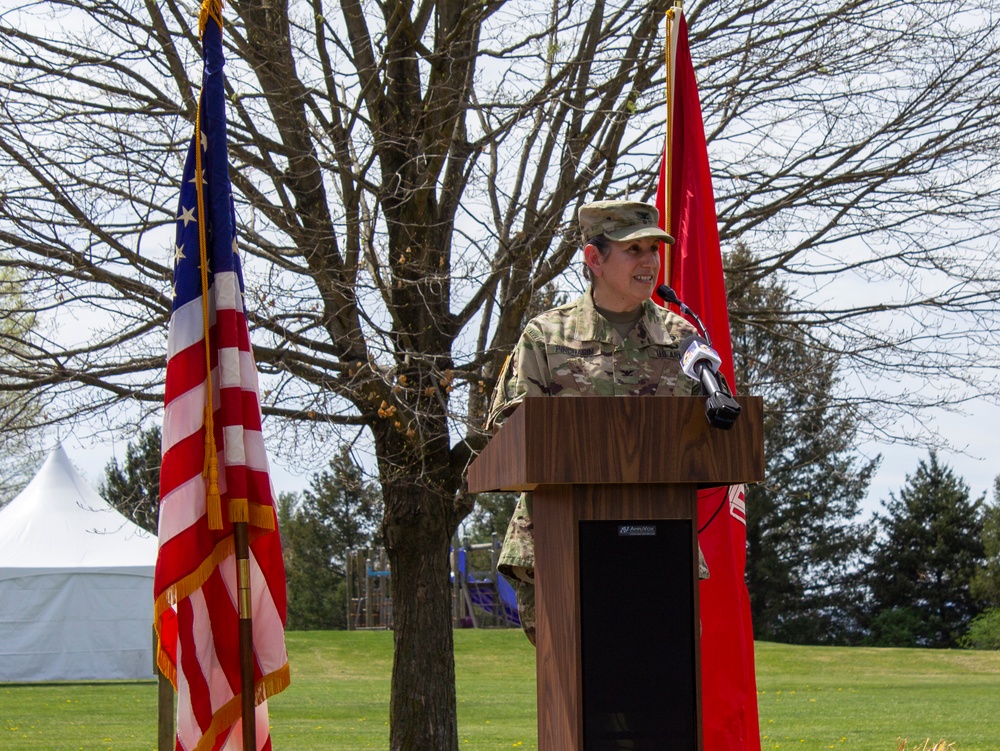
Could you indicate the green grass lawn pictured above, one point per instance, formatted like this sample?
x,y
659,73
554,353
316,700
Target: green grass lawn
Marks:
x,y
810,698
863,699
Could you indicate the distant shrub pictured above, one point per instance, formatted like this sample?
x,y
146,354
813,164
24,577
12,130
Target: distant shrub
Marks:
x,y
897,627
984,631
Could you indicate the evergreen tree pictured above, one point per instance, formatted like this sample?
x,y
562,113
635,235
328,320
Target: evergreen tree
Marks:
x,y
930,548
805,545
340,511
134,489
985,584
984,631
490,516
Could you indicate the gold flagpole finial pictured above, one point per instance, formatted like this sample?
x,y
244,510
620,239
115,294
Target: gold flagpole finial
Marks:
x,y
209,9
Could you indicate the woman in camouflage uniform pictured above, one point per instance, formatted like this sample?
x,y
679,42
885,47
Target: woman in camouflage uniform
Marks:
x,y
612,341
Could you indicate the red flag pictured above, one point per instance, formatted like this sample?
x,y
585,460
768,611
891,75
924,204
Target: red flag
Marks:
x,y
729,687
215,470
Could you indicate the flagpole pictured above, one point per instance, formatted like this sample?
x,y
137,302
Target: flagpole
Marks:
x,y
241,540
671,57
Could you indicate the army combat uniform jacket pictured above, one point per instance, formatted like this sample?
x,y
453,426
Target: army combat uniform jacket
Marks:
x,y
572,350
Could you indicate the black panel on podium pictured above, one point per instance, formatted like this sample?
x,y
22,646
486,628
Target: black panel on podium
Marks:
x,y
639,684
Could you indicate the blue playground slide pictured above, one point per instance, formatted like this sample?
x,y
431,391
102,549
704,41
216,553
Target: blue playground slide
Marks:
x,y
482,594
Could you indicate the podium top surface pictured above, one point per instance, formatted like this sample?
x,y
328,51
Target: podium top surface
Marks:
x,y
617,440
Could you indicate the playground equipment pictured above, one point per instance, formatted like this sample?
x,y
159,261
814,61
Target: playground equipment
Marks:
x,y
480,596
482,590
369,590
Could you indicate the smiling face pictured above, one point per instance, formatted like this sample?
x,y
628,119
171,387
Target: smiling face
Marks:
x,y
626,275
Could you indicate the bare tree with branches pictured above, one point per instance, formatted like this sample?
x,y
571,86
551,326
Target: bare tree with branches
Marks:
x,y
407,176
20,418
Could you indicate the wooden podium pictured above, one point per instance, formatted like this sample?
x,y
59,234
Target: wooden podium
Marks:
x,y
614,505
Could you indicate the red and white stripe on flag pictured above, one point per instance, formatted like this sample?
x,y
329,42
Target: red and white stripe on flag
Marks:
x,y
214,468
729,687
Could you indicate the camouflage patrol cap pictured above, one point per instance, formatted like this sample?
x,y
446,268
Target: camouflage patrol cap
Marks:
x,y
621,221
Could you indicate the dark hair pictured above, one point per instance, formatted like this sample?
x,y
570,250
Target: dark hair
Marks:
x,y
603,245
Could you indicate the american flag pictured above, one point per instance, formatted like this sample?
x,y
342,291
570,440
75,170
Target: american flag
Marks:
x,y
215,470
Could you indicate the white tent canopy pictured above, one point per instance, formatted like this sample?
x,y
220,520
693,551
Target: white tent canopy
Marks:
x,y
76,583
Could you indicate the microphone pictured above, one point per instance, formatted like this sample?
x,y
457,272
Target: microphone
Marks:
x,y
700,362
670,296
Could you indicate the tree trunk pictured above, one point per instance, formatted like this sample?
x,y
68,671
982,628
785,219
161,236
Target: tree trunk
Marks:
x,y
418,488
422,705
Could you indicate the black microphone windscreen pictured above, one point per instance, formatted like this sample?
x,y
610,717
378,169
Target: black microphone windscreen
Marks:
x,y
668,295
